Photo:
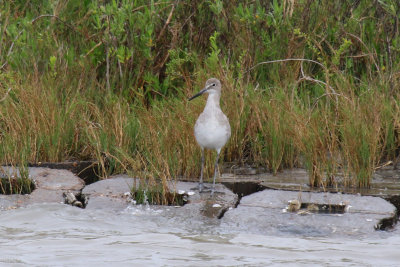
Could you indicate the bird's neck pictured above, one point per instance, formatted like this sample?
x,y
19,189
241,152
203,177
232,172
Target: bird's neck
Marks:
x,y
213,101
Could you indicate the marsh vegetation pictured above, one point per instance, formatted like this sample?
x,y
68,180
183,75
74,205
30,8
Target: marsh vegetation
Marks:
x,y
311,84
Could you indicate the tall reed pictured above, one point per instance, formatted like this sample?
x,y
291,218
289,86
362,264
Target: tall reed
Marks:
x,y
305,83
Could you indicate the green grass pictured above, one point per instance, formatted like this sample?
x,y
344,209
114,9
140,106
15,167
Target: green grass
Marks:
x,y
16,182
157,195
109,81
10,186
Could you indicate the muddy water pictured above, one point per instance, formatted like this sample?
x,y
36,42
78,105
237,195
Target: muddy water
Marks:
x,y
61,235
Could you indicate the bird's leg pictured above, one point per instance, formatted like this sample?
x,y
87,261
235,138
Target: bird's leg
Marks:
x,y
215,171
201,174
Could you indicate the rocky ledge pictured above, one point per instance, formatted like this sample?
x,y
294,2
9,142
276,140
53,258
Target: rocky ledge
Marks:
x,y
267,211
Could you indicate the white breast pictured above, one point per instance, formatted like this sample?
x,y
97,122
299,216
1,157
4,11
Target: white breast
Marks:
x,y
212,129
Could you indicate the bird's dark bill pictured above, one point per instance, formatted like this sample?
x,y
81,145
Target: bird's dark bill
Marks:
x,y
198,94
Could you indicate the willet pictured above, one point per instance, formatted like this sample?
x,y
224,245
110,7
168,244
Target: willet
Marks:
x,y
212,129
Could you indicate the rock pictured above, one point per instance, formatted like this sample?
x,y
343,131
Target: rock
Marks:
x,y
110,193
265,212
41,195
384,183
52,179
294,205
86,170
50,185
71,199
115,186
292,179
203,204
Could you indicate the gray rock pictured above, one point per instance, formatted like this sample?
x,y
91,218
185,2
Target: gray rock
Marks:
x,y
265,212
203,204
115,186
384,183
50,185
41,195
112,193
52,179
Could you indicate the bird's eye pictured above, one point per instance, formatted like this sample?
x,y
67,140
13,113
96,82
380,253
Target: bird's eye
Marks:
x,y
213,84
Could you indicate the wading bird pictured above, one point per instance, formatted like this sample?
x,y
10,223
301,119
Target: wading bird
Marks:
x,y
212,129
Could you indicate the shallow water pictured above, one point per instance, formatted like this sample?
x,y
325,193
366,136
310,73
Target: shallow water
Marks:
x,y
61,235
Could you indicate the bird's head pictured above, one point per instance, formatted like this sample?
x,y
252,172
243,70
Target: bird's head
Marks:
x,y
213,86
